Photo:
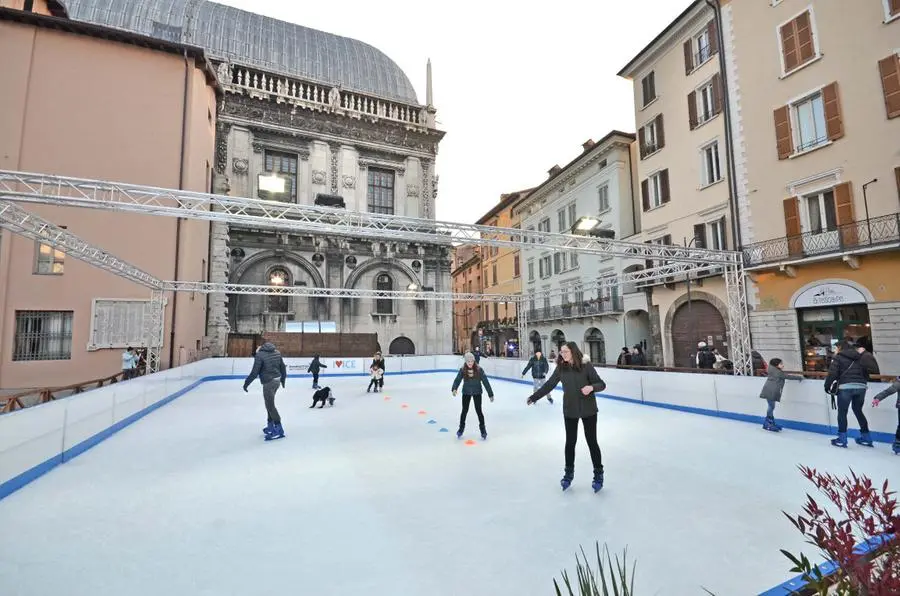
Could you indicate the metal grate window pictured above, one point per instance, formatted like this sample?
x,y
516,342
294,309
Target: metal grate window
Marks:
x,y
43,335
381,191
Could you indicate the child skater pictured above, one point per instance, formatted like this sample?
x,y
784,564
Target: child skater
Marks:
x,y
771,391
377,375
894,388
322,395
315,367
472,378
580,381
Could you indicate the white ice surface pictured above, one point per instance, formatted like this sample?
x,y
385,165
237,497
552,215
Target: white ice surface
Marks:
x,y
368,498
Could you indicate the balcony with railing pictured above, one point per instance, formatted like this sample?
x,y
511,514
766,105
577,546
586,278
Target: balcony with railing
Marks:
x,y
860,236
499,324
589,308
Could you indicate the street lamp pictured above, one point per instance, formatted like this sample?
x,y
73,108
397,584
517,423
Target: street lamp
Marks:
x,y
866,203
588,225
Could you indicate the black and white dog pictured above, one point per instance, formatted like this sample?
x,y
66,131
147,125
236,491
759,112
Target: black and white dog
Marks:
x,y
323,395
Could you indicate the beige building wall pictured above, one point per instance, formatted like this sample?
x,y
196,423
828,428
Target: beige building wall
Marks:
x,y
816,96
682,176
80,106
467,278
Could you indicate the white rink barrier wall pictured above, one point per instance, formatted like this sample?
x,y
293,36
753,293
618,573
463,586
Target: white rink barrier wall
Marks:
x,y
35,440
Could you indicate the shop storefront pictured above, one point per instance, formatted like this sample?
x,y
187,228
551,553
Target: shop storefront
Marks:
x,y
828,313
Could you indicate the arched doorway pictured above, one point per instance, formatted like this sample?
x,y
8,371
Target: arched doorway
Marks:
x,y
557,338
402,346
535,338
596,346
694,322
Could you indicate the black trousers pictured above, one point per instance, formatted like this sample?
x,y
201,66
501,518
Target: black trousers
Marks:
x,y
590,435
269,391
315,378
855,399
897,436
465,411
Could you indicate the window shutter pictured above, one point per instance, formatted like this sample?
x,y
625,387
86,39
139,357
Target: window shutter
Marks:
x,y
805,45
789,46
890,83
843,210
724,228
792,226
784,141
660,133
834,123
897,176
645,194
717,94
688,57
700,235
664,186
692,109
651,86
642,142
711,31
894,7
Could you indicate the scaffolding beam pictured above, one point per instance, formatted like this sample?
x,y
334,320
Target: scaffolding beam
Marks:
x,y
307,219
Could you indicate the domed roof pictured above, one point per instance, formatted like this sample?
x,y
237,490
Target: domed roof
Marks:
x,y
230,33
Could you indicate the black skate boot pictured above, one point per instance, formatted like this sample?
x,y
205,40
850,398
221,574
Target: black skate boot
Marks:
x,y
597,484
568,475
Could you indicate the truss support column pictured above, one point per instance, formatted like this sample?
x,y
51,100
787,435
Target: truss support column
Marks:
x,y
524,341
153,329
738,319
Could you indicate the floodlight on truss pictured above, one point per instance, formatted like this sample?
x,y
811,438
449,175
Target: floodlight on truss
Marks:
x,y
315,220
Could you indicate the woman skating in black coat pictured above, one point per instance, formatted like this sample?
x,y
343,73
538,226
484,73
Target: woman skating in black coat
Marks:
x,y
580,381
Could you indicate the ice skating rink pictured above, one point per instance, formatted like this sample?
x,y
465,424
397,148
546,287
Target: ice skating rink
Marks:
x,y
367,497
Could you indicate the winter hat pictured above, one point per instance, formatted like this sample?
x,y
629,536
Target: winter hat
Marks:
x,y
470,357
702,344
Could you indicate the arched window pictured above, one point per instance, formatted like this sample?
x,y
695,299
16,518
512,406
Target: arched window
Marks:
x,y
384,283
277,303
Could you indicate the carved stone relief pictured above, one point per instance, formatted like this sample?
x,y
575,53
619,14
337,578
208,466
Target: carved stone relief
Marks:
x,y
334,168
412,190
349,181
240,165
319,177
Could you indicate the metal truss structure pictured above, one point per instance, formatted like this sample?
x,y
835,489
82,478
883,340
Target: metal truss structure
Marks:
x,y
668,261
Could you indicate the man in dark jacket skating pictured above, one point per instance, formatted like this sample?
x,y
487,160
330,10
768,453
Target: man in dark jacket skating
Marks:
x,y
848,377
269,366
540,367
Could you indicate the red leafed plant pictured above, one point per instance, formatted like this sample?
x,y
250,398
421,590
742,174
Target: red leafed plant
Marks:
x,y
867,511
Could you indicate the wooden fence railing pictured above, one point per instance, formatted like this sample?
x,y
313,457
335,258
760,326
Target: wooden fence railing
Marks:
x,y
8,403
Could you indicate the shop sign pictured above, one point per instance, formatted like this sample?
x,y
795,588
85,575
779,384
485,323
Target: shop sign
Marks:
x,y
829,294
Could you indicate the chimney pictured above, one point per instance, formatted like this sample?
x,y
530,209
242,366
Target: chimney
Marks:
x,y
588,144
554,170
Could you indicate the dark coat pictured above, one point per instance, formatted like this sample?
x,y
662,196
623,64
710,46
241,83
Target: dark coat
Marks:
x,y
377,364
315,366
849,366
267,365
472,378
539,368
894,388
575,403
775,383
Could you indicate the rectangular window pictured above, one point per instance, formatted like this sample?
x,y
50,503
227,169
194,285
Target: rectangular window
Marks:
x,y
494,273
573,260
715,233
809,116
544,225
530,270
557,263
655,190
651,137
710,170
700,48
546,267
43,335
821,215
573,212
516,266
798,43
118,323
561,220
603,194
648,88
380,192
49,261
705,103
809,122
283,165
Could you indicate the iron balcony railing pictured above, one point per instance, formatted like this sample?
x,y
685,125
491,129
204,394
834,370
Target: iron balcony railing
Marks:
x,y
866,233
501,323
590,308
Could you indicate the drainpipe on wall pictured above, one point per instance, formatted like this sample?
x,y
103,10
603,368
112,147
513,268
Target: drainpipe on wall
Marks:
x,y
178,221
729,137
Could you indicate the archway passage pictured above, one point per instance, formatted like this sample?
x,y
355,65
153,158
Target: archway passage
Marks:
x,y
596,346
402,346
535,338
557,338
694,322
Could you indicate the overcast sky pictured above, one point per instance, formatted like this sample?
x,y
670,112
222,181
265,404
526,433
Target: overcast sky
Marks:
x,y
517,91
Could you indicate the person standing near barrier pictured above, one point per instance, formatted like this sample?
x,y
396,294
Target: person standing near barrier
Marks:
x,y
772,390
314,368
580,382
472,378
269,366
894,388
848,378
539,367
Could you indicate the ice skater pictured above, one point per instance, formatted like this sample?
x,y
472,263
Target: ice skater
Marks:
x,y
377,370
322,395
539,367
580,381
472,378
848,378
269,366
771,391
314,368
894,388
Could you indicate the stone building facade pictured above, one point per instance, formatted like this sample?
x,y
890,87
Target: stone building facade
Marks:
x,y
337,123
